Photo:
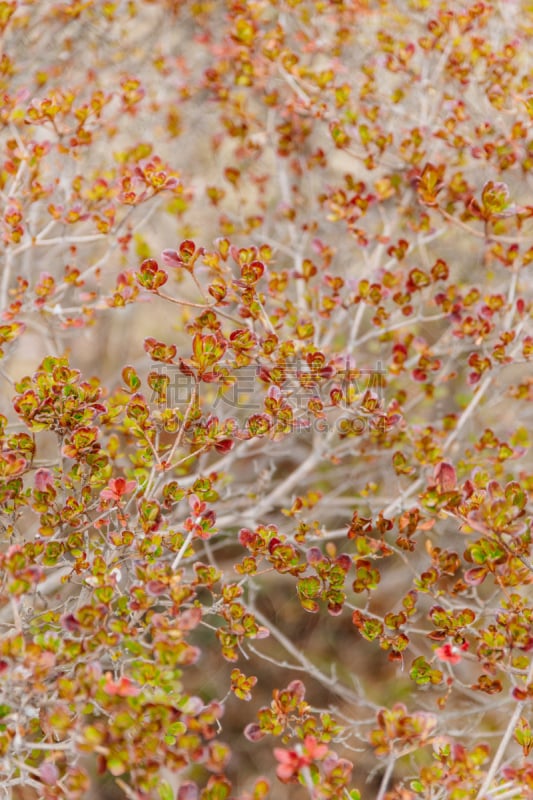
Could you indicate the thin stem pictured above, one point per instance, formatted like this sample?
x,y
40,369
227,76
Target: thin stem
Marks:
x,y
330,682
469,410
396,326
506,738
203,306
183,549
281,489
387,775
482,234
179,436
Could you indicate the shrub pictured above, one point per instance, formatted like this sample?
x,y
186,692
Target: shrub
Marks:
x,y
265,474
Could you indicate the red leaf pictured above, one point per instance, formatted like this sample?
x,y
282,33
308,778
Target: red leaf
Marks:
x,y
445,477
188,791
171,258
253,732
43,480
475,576
121,688
48,773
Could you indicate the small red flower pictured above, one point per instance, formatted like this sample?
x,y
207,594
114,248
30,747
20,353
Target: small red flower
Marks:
x,y
451,653
314,750
122,688
290,764
116,488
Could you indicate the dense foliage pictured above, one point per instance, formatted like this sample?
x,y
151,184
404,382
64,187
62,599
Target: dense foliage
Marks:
x,y
265,465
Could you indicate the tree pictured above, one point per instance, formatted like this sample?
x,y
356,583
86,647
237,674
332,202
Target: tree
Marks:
x,y
265,475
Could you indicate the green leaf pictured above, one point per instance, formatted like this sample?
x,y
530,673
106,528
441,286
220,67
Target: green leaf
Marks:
x,y
165,791
116,765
